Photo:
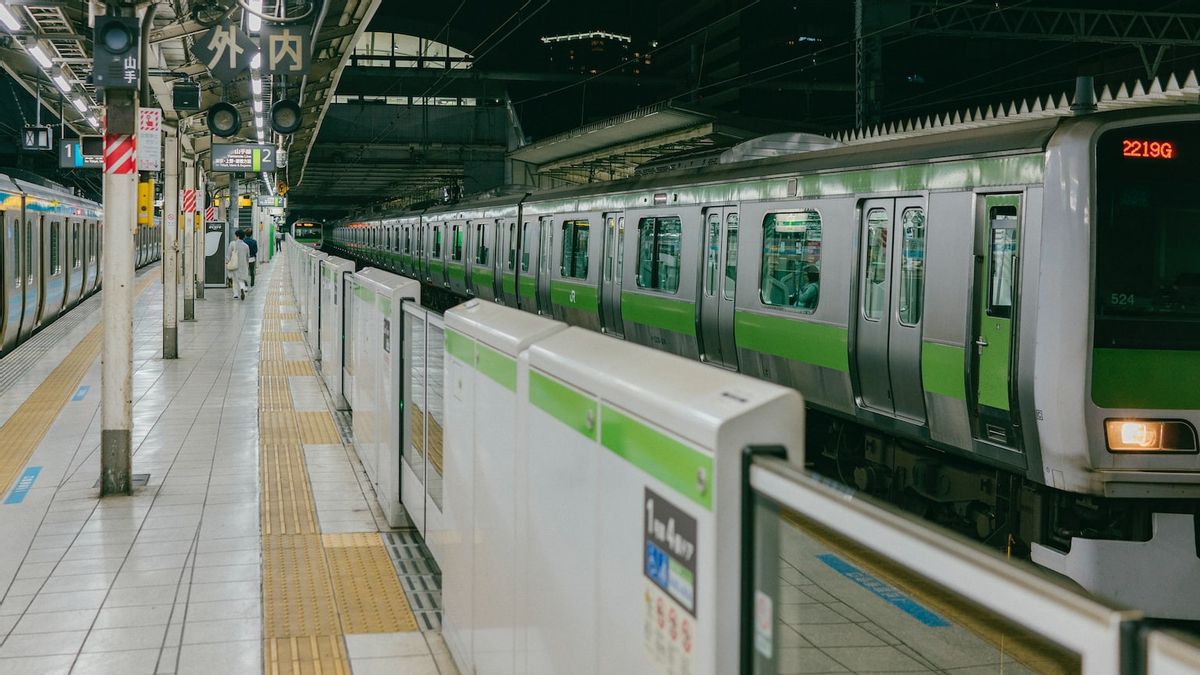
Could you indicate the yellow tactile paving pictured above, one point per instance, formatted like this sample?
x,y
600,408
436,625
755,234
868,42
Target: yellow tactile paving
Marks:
x,y
24,430
316,588
368,592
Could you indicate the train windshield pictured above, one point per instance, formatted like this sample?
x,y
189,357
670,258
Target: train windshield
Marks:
x,y
1148,237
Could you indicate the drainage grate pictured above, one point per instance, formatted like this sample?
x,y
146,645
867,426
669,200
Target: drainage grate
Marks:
x,y
419,575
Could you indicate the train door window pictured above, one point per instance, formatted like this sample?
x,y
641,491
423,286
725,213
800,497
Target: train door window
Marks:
x,y
912,265
731,249
575,249
481,244
620,249
55,238
658,253
547,246
11,232
456,252
1003,251
29,257
437,241
388,238
92,240
875,272
791,260
525,247
512,245
75,257
712,253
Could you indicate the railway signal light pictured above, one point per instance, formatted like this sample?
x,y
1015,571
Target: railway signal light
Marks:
x,y
116,62
224,120
285,116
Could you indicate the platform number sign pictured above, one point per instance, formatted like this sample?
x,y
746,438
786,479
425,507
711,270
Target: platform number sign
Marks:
x,y
669,548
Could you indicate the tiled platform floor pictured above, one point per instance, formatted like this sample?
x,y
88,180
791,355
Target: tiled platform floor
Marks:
x,y
168,580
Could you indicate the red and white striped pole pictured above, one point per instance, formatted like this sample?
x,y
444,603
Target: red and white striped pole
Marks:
x,y
120,220
188,238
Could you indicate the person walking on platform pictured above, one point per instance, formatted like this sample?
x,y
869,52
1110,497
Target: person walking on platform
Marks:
x,y
238,265
278,239
253,253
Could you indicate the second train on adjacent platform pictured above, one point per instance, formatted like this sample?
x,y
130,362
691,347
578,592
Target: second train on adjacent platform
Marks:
x,y
51,255
998,327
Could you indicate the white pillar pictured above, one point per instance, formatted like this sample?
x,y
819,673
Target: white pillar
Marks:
x,y
116,372
189,242
198,249
170,230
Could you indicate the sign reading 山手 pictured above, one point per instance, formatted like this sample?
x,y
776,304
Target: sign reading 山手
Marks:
x,y
243,157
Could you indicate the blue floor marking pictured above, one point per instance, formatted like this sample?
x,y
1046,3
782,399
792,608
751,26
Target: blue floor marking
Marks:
x,y
83,390
23,484
889,594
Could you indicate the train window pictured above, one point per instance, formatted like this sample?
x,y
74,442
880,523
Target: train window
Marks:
x,y
1002,251
55,239
437,241
658,253
512,245
75,257
620,249
875,272
712,253
912,265
791,260
525,247
731,249
11,232
575,249
30,244
481,244
408,241
456,252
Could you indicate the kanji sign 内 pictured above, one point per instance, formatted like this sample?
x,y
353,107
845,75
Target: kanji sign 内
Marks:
x,y
286,48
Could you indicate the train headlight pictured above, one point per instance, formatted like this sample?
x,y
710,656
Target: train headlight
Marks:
x,y
1150,436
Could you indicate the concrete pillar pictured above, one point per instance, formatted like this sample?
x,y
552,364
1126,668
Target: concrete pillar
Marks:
x,y
189,242
116,372
170,230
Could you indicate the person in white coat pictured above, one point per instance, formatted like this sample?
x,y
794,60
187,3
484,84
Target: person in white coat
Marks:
x,y
238,266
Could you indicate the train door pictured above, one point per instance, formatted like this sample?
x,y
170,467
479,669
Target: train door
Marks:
x,y
545,264
30,273
10,265
997,271
527,265
498,261
891,291
614,269
718,286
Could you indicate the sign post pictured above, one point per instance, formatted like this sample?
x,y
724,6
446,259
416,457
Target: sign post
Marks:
x,y
189,217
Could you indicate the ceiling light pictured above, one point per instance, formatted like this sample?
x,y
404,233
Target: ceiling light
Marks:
x,y
61,82
256,61
35,50
255,23
256,85
258,121
258,105
9,19
79,105
91,119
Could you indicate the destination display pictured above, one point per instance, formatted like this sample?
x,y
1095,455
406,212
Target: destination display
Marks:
x,y
243,157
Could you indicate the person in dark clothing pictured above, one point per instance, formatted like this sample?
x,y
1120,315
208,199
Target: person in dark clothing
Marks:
x,y
253,253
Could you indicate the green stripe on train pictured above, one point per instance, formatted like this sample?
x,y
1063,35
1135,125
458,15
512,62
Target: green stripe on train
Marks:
x,y
661,312
563,403
573,295
528,288
817,343
943,369
1161,379
481,277
675,464
509,283
457,272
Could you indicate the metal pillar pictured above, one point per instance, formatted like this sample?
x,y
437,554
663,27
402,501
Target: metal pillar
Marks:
x,y
198,249
231,216
116,380
189,242
170,230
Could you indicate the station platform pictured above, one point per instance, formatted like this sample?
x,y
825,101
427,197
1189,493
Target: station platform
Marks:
x,y
252,545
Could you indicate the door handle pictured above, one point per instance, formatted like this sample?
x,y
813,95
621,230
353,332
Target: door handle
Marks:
x,y
981,342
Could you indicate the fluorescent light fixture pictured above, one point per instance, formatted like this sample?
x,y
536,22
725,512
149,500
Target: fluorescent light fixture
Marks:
x,y
258,121
35,50
255,23
79,105
256,85
91,119
61,82
9,19
256,61
258,106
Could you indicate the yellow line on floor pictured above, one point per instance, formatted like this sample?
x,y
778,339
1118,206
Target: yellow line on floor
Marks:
x,y
316,588
28,425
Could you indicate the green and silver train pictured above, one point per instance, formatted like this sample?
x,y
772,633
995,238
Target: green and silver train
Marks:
x,y
998,327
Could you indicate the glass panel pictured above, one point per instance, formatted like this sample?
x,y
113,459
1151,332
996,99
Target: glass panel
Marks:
x,y
791,260
620,249
481,244
30,245
512,245
436,417
1000,268
712,253
658,253
731,253
610,235
575,249
456,253
416,411
836,606
912,266
874,290
525,247
437,241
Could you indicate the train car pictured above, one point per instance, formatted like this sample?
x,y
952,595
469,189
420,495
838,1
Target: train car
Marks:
x,y
990,325
51,256
307,232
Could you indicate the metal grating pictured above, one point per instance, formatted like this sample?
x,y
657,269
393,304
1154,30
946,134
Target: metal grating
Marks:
x,y
419,576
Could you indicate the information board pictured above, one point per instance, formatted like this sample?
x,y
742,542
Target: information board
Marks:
x,y
243,157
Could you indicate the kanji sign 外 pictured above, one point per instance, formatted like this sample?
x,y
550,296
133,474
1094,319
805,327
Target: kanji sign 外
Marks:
x,y
225,50
286,48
